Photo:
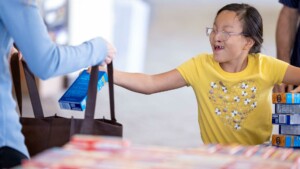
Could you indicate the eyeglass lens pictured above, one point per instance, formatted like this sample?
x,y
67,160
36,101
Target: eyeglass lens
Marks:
x,y
222,35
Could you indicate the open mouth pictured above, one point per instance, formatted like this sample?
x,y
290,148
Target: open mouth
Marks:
x,y
218,47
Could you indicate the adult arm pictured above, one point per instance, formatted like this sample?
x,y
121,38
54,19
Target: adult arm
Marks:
x,y
285,36
45,58
286,32
292,75
149,84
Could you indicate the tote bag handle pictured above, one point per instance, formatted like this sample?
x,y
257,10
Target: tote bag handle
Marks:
x,y
92,93
91,99
31,85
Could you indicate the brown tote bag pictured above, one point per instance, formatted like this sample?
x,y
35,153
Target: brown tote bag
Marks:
x,y
42,132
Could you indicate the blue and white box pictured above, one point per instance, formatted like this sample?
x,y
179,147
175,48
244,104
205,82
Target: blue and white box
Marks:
x,y
75,97
286,119
289,130
293,98
287,108
285,140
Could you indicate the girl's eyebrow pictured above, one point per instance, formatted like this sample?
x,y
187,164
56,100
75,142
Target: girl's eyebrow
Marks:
x,y
226,26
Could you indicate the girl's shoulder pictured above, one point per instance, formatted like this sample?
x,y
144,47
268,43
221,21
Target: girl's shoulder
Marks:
x,y
262,57
266,60
204,57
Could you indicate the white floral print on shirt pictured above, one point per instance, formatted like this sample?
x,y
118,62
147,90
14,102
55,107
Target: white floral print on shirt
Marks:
x,y
234,102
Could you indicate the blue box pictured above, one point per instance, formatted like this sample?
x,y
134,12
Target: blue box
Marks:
x,y
75,97
286,98
281,140
296,141
289,129
293,98
286,119
287,108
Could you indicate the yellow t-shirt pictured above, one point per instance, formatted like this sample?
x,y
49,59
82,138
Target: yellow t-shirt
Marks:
x,y
234,107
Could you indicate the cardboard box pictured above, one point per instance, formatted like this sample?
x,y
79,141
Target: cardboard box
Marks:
x,y
285,140
287,108
289,129
75,97
286,119
286,98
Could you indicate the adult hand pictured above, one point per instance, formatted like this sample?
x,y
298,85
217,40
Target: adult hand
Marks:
x,y
14,50
111,53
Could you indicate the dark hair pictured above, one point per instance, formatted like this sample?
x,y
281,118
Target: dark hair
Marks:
x,y
252,23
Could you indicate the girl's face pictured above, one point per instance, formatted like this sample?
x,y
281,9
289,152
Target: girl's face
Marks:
x,y
227,41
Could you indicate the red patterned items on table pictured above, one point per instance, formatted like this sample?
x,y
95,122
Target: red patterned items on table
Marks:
x,y
116,153
92,143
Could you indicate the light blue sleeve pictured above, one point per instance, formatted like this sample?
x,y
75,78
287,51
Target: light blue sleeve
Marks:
x,y
45,58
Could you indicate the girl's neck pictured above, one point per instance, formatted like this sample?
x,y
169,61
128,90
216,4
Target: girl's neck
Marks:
x,y
234,67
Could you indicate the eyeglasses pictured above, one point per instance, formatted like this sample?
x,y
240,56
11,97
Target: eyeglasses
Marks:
x,y
223,34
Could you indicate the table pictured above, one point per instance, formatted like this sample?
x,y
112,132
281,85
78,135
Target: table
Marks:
x,y
115,153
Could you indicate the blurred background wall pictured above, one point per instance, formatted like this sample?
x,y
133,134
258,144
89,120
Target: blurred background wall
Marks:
x,y
152,36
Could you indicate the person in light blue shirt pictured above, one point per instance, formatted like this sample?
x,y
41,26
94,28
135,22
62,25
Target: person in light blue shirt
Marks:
x,y
22,24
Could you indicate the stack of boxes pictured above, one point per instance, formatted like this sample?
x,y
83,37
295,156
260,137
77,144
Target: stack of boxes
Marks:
x,y
287,116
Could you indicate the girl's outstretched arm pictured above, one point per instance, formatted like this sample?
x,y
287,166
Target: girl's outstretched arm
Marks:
x,y
292,76
149,84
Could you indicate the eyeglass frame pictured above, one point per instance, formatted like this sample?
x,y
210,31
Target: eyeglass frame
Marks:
x,y
228,34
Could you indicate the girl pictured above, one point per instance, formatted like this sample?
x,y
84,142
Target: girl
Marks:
x,y
233,85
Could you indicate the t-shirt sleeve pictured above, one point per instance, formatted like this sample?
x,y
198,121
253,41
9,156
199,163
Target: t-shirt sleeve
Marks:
x,y
188,70
276,69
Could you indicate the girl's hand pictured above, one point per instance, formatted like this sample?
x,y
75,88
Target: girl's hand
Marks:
x,y
283,88
296,90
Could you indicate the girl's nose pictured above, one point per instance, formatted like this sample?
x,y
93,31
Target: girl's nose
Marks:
x,y
218,37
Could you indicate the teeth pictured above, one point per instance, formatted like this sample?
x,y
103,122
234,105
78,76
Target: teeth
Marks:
x,y
219,47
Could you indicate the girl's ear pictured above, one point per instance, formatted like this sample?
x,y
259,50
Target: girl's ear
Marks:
x,y
249,43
